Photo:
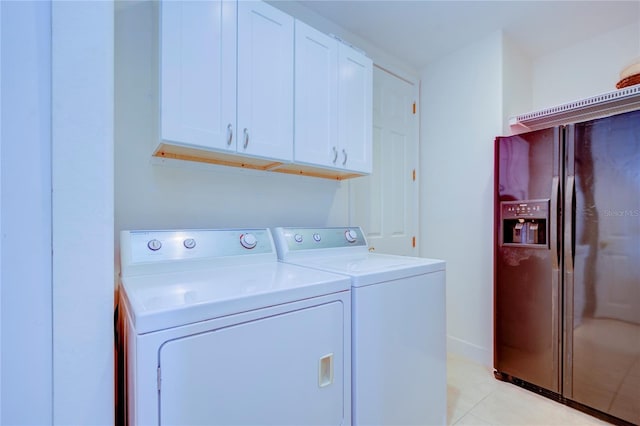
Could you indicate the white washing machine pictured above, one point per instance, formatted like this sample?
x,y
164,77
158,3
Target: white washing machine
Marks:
x,y
214,330
398,324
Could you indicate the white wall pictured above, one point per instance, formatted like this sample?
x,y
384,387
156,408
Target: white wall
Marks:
x,y
192,195
517,77
379,57
0,211
82,156
25,229
57,287
461,115
588,68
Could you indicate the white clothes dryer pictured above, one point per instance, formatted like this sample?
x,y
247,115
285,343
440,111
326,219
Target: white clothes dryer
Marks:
x,y
398,324
214,330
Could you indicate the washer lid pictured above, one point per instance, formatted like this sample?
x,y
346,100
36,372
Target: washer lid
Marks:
x,y
161,301
371,268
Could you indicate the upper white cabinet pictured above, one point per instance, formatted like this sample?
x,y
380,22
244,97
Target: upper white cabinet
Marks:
x,y
198,74
210,109
333,105
316,97
227,76
355,109
265,81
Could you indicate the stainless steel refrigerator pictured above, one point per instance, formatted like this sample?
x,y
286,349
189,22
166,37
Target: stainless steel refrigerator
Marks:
x,y
567,264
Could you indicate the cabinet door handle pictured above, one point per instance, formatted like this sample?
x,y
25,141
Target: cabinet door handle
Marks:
x,y
246,138
335,155
345,157
229,134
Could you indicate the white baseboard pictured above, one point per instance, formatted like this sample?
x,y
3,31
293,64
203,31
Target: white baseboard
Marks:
x,y
471,351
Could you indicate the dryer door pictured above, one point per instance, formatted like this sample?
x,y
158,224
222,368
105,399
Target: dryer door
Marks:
x,y
287,369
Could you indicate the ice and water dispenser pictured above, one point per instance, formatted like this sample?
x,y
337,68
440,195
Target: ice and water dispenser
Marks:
x,y
525,223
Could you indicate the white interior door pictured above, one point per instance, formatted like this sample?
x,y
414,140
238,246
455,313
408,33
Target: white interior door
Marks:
x,y
385,203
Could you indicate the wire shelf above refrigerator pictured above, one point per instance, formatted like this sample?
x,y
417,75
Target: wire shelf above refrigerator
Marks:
x,y
618,101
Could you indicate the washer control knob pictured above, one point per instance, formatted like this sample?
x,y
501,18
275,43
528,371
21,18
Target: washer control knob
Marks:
x,y
297,238
189,243
316,237
154,245
248,241
351,235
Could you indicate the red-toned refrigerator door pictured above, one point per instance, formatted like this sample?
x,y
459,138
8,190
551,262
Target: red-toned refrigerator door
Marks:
x,y
602,261
527,270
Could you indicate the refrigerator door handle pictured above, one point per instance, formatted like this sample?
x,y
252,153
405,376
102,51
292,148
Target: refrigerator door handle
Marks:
x,y
554,229
556,298
569,228
569,249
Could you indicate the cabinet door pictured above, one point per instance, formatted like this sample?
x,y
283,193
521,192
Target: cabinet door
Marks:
x,y
265,81
355,86
287,369
316,97
198,73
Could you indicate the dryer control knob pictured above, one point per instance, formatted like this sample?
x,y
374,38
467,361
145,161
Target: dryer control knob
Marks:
x,y
297,238
248,241
154,245
351,236
189,243
317,237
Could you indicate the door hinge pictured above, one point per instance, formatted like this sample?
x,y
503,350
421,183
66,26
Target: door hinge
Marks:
x,y
159,379
413,174
414,107
413,242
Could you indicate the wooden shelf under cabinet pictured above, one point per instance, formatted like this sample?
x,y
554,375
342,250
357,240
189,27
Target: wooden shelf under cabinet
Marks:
x,y
234,160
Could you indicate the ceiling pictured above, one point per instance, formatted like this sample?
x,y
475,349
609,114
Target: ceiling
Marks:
x,y
420,31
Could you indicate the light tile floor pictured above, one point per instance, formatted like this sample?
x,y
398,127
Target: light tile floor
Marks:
x,y
475,397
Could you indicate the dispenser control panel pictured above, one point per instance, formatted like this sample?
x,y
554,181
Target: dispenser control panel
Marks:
x,y
525,223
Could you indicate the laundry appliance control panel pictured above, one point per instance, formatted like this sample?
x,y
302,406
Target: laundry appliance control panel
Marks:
x,y
321,238
154,247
